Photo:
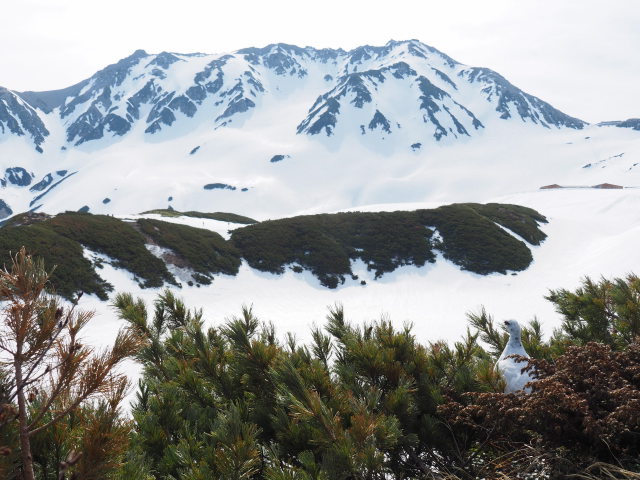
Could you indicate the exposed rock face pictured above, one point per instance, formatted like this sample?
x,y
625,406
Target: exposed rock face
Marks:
x,y
17,176
5,210
42,184
17,117
512,101
379,120
279,158
219,186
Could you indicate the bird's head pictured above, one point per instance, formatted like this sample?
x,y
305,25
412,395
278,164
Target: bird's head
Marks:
x,y
513,327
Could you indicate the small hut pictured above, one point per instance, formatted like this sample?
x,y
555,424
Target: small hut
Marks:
x,y
608,186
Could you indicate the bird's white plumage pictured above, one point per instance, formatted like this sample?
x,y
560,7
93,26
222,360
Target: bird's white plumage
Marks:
x,y
511,368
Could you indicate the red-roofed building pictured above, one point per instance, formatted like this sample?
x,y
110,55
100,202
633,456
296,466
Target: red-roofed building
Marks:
x,y
607,186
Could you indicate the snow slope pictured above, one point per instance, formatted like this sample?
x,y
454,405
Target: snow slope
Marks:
x,y
591,232
319,177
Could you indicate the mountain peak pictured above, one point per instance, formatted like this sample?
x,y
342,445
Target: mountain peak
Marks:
x,y
139,53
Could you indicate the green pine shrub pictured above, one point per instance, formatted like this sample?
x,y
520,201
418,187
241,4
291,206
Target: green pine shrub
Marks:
x,y
116,239
73,272
520,220
204,251
221,216
372,402
325,244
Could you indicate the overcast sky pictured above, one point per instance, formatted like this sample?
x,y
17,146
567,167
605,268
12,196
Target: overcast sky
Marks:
x,y
579,55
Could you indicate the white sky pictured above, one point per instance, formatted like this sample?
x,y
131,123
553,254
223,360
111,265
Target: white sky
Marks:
x,y
579,55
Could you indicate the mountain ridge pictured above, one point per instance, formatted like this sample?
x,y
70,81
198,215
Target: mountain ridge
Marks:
x,y
102,104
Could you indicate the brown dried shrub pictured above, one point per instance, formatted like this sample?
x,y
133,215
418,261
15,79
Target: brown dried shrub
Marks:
x,y
587,403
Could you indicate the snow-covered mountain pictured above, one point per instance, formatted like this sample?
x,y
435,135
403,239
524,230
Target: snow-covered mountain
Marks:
x,y
385,88
281,130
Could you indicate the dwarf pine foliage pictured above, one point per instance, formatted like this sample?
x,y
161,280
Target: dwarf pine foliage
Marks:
x,y
371,401
59,397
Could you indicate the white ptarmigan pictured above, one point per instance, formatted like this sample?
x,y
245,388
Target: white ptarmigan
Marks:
x,y
510,368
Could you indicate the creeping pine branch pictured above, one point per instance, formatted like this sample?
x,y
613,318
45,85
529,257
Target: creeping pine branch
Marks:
x,y
47,347
45,350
